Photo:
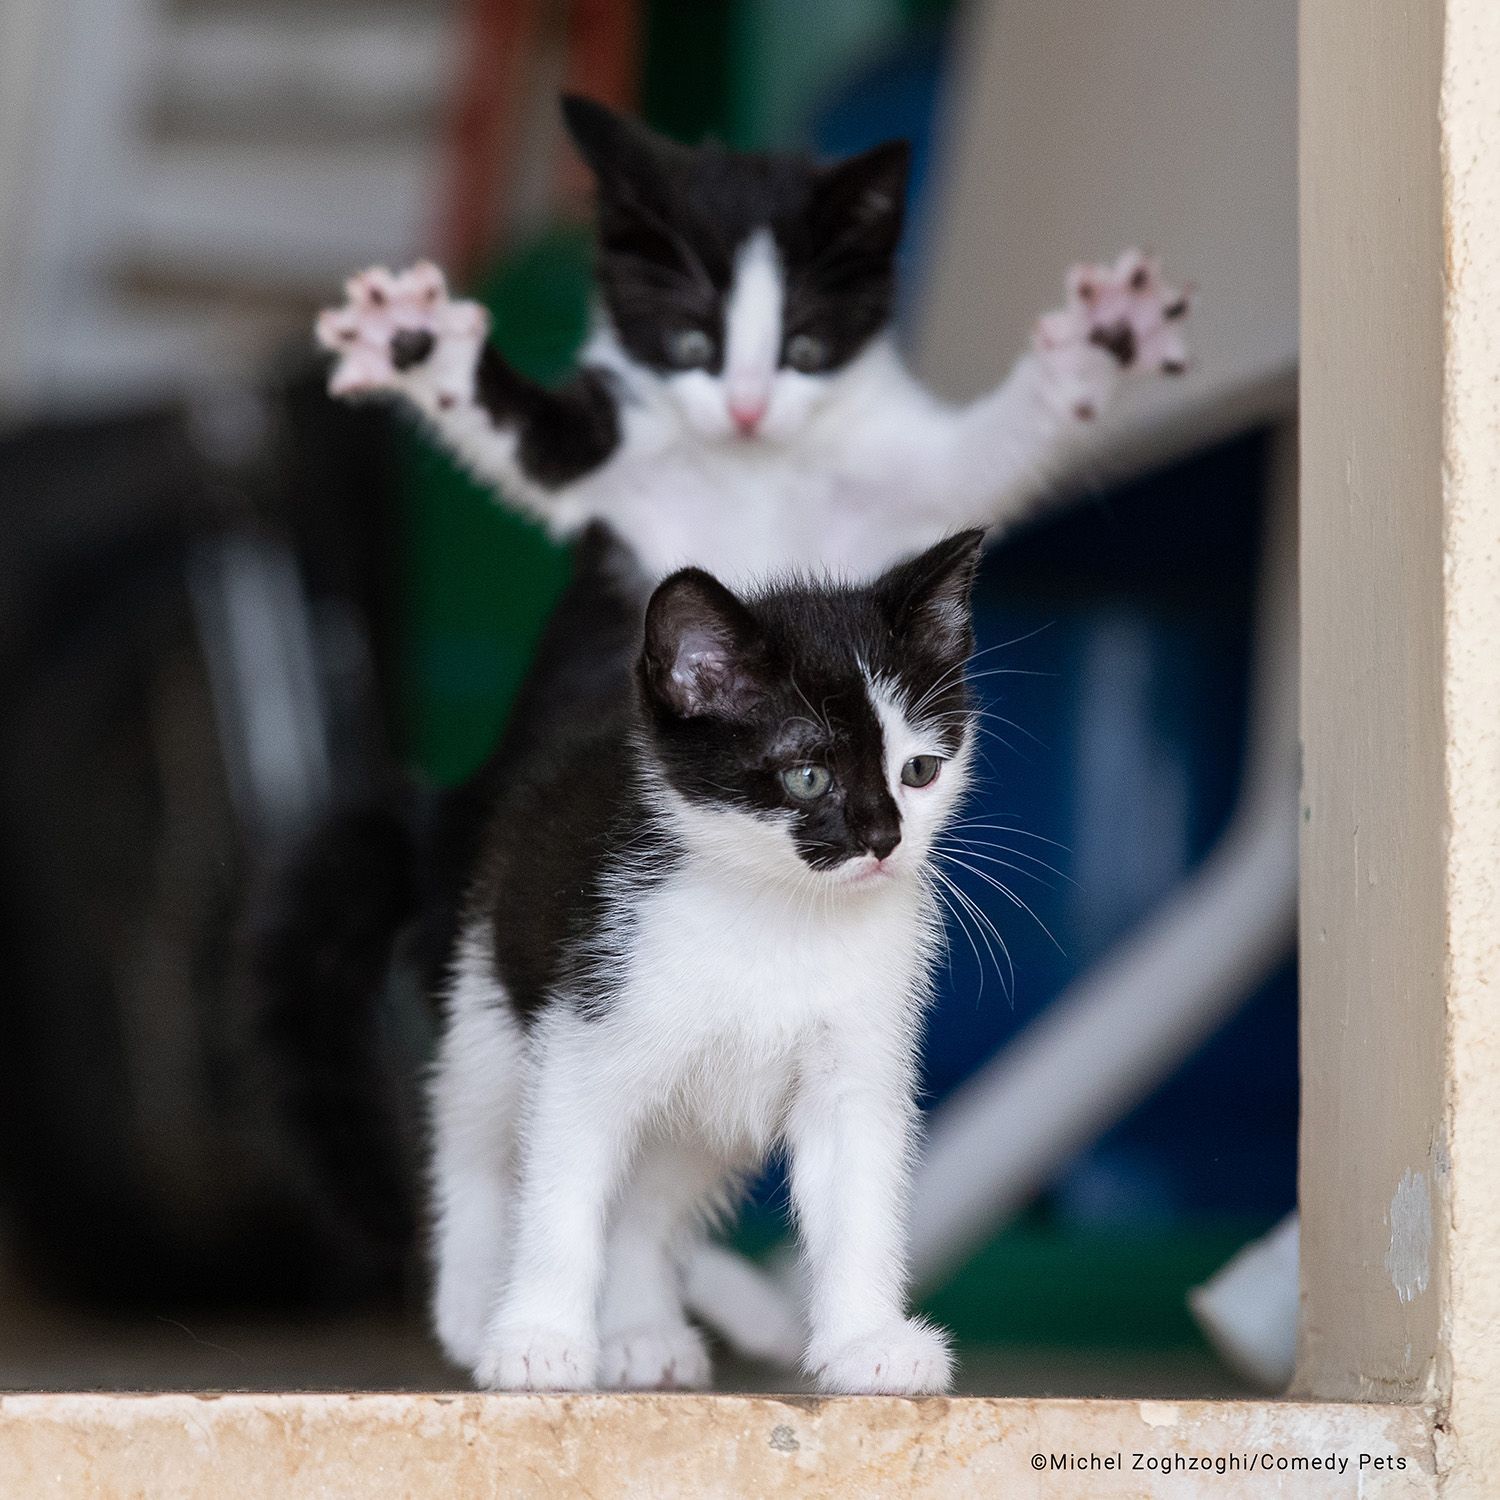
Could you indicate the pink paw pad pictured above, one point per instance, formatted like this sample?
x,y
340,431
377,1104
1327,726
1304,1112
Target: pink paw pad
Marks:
x,y
390,324
1127,311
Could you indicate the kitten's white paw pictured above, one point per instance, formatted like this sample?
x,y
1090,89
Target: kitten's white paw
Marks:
x,y
909,1358
402,332
535,1359
656,1359
1118,318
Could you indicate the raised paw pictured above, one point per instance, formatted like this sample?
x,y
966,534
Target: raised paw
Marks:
x,y
1119,317
908,1358
656,1359
535,1359
403,332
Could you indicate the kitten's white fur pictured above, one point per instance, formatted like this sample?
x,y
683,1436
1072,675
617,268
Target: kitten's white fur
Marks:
x,y
757,1003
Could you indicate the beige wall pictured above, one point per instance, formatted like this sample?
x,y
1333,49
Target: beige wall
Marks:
x,y
1469,1434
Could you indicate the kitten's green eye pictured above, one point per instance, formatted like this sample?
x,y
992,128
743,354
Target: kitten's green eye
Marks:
x,y
806,783
689,348
921,770
806,353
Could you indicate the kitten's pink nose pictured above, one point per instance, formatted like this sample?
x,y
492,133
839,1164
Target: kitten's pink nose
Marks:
x,y
748,414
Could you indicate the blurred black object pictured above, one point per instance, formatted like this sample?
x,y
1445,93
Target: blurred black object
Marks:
x,y
194,609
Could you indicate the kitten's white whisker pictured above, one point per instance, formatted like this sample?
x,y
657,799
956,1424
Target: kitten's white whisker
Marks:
x,y
1024,833
985,925
957,916
974,845
1006,864
1010,895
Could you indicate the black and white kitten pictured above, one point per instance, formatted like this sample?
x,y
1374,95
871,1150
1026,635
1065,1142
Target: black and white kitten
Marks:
x,y
702,931
740,405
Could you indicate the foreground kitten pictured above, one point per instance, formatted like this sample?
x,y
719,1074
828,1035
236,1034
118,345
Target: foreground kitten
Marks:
x,y
740,405
701,931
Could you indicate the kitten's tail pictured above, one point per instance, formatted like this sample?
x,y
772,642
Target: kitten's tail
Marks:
x,y
752,1309
317,957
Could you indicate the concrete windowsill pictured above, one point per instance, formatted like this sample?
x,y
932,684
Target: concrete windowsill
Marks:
x,y
615,1447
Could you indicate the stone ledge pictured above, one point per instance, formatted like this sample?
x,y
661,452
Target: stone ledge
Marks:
x,y
179,1446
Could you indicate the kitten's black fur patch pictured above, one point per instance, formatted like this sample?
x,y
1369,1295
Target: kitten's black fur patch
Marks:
x,y
671,219
564,433
558,837
788,686
587,650
530,832
806,660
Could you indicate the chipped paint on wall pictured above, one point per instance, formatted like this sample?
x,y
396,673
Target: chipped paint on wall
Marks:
x,y
1409,1259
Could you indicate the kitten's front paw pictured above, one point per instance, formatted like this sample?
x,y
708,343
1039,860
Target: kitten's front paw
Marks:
x,y
1118,318
401,332
909,1358
656,1359
535,1359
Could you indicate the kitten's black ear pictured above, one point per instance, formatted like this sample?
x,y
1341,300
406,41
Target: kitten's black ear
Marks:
x,y
703,656
927,598
867,193
618,150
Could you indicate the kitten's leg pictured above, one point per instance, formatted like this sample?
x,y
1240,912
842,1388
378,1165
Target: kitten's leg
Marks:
x,y
995,459
475,1086
850,1135
577,1135
402,334
648,1343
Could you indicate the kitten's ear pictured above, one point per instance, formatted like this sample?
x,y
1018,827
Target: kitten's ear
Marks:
x,y
927,598
704,656
620,151
867,193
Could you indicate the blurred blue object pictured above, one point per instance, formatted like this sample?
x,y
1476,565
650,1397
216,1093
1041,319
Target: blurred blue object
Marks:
x,y
1125,748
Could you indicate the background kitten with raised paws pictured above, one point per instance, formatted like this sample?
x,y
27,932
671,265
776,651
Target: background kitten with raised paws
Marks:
x,y
740,404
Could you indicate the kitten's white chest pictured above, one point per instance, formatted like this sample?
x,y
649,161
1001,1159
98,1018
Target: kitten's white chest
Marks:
x,y
728,996
737,959
746,980
738,517
744,510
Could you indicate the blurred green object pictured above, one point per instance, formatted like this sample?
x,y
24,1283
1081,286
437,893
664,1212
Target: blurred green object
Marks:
x,y
478,580
1043,1285
1086,1288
